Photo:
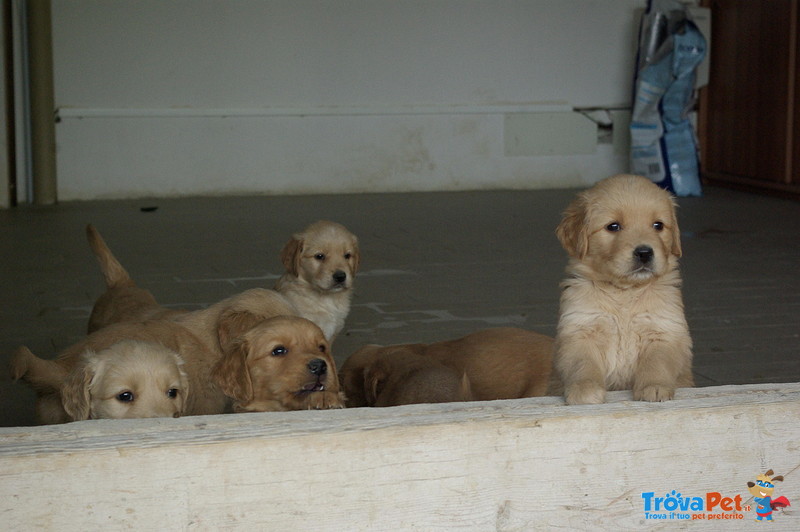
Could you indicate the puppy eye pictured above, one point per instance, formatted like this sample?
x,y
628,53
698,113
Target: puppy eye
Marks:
x,y
658,226
320,256
125,397
172,393
348,255
321,348
279,351
613,227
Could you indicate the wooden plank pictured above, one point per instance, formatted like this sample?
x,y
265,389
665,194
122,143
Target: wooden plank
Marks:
x,y
507,465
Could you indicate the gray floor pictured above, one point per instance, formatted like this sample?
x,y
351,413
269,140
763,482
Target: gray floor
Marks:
x,y
434,266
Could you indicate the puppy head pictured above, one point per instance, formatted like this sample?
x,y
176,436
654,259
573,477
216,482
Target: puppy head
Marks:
x,y
622,230
282,363
325,256
130,379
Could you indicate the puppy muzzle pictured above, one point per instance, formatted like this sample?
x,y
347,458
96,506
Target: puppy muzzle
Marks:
x,y
319,369
338,281
643,255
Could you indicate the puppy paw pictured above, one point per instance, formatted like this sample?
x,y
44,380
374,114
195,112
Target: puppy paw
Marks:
x,y
585,393
325,400
653,393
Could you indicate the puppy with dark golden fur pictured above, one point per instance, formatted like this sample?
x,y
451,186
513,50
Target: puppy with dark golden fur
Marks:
x,y
403,377
281,363
499,363
621,321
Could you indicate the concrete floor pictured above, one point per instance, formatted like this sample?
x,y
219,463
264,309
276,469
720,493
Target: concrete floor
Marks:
x,y
434,266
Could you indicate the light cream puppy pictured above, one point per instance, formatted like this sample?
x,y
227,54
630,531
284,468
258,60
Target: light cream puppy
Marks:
x,y
621,321
321,263
127,379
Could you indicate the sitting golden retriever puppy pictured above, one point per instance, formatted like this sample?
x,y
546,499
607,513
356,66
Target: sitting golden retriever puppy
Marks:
x,y
128,379
321,263
499,363
281,363
406,378
621,322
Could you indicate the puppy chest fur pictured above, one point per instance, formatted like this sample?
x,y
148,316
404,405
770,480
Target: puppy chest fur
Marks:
x,y
328,311
615,327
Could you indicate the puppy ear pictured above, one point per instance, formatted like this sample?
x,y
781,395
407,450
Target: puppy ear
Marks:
x,y
185,391
231,373
356,256
779,477
232,324
676,234
572,231
291,253
374,379
75,396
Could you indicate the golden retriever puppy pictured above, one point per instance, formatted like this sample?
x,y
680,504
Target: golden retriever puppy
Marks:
x,y
499,363
320,263
621,323
128,379
281,363
406,378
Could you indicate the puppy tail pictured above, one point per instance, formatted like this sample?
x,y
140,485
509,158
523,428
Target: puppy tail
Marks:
x,y
115,274
42,375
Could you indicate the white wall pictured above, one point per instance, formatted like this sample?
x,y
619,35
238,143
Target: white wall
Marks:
x,y
288,96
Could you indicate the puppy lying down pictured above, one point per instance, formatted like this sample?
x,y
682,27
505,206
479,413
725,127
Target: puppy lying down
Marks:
x,y
498,363
403,377
105,380
281,363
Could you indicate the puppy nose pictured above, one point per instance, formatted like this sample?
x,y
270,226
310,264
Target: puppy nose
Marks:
x,y
643,254
339,276
318,367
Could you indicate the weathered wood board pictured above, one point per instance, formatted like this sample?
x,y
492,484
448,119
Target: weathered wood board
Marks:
x,y
530,464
